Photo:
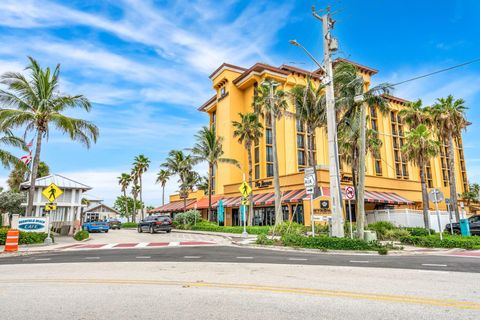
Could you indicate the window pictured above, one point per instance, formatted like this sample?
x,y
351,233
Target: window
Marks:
x,y
305,144
428,173
269,154
222,91
214,119
269,169
268,147
401,165
301,157
268,136
257,171
445,165
378,167
257,155
300,141
463,169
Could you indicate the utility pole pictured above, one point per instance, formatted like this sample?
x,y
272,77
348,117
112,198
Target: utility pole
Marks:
x,y
329,45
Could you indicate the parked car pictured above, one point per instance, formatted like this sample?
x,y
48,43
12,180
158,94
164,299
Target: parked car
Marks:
x,y
114,224
99,226
473,221
155,223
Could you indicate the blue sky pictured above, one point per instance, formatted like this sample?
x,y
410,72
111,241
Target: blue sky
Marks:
x,y
145,64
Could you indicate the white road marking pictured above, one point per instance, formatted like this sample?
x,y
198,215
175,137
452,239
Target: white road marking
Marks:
x,y
433,265
143,257
109,246
244,257
142,245
358,261
192,257
174,244
297,259
42,259
92,258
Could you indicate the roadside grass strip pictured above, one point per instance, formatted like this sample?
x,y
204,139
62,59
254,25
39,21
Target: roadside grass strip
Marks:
x,y
447,303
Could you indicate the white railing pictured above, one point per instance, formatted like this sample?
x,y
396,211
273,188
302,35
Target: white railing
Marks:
x,y
409,218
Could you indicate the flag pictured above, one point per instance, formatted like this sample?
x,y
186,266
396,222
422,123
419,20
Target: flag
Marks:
x,y
30,144
26,159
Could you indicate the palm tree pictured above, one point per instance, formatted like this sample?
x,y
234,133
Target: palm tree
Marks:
x,y
271,103
202,184
419,148
352,101
415,114
37,104
189,182
180,164
209,149
135,192
162,179
450,119
248,131
85,203
7,139
124,182
472,194
140,166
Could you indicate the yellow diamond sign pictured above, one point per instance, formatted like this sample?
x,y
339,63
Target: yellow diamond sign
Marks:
x,y
245,189
50,206
52,192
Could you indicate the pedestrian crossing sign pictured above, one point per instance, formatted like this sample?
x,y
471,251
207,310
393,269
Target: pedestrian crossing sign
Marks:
x,y
52,192
245,189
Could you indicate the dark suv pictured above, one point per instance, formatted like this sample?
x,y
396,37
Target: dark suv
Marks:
x,y
473,221
115,224
153,224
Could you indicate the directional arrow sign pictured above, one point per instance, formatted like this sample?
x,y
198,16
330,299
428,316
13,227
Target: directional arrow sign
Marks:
x,y
52,192
50,206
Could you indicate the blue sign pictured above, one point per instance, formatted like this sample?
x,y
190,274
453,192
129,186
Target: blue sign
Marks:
x,y
32,224
220,211
243,210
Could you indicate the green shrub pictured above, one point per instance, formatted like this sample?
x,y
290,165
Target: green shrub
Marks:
x,y
25,237
395,234
288,228
321,228
381,228
419,231
323,242
382,251
81,235
175,224
189,217
448,241
263,239
127,225
213,227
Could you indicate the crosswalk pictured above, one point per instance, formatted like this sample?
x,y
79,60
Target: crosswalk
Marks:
x,y
134,245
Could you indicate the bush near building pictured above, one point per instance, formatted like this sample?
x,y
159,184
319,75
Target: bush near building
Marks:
x,y
331,243
131,225
449,241
188,217
81,235
25,237
213,227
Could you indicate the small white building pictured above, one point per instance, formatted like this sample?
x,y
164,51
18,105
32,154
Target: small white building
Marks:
x,y
69,205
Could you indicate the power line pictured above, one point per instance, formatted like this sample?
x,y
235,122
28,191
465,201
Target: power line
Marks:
x,y
438,71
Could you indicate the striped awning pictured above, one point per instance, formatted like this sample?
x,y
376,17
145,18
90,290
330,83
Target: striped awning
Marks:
x,y
376,196
268,198
203,203
174,206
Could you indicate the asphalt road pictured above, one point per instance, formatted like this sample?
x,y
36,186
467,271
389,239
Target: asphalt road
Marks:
x,y
252,255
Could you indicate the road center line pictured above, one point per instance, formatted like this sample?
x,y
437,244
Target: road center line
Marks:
x,y
297,259
433,265
42,259
192,257
244,257
143,257
92,258
358,261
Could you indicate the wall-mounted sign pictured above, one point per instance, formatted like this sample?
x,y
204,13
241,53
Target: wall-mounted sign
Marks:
x,y
32,224
263,184
346,178
324,204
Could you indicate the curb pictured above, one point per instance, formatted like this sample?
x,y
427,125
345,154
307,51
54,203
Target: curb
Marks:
x,y
207,233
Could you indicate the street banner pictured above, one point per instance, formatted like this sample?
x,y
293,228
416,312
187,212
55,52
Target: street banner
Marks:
x,y
32,224
220,211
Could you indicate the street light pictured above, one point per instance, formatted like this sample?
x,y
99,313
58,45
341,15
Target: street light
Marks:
x,y
296,44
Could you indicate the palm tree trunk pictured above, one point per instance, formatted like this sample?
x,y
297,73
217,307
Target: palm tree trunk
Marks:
x,y
453,183
126,202
210,177
360,213
311,158
426,220
185,204
141,197
134,214
250,196
276,178
163,195
33,176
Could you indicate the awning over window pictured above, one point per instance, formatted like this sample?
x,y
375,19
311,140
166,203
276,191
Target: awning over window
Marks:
x,y
174,206
268,198
375,196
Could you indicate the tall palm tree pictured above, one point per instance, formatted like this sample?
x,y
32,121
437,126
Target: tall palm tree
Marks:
x,y
135,192
7,159
209,149
202,184
270,102
162,178
450,119
415,114
124,181
419,148
248,131
180,164
352,101
140,166
36,104
190,180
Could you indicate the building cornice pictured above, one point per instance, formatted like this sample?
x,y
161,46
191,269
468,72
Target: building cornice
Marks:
x,y
226,66
207,105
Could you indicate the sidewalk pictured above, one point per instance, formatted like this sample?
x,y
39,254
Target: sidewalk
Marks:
x,y
39,247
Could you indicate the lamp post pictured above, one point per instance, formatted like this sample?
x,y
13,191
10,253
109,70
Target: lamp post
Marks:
x,y
334,170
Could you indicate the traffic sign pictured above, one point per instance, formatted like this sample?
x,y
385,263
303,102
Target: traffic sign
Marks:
x,y
436,196
245,202
50,206
245,189
350,193
52,192
310,190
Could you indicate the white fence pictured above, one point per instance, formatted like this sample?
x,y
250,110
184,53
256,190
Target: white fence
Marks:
x,y
409,218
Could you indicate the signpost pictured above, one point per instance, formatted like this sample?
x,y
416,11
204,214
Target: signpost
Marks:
x,y
436,196
310,185
245,190
52,192
350,195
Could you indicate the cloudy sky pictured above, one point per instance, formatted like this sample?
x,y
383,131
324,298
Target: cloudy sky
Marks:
x,y
145,64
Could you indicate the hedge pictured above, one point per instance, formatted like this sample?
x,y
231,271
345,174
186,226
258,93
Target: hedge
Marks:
x,y
25,237
129,225
448,241
81,235
213,227
324,242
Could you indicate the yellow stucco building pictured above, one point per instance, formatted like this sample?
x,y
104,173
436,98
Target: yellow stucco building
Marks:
x,y
391,182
